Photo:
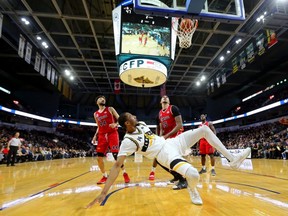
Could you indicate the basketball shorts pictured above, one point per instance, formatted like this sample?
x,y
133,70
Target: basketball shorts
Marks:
x,y
110,140
205,148
173,151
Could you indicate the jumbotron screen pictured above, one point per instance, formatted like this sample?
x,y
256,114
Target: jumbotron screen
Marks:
x,y
147,35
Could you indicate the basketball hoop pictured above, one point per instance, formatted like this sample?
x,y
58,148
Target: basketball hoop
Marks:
x,y
184,29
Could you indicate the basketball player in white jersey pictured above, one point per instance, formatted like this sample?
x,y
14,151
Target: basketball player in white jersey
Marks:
x,y
139,138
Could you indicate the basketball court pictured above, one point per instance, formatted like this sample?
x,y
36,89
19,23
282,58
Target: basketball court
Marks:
x,y
131,44
65,187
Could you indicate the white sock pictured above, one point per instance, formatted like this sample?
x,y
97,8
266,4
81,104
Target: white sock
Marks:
x,y
204,167
105,174
213,167
124,171
191,137
153,169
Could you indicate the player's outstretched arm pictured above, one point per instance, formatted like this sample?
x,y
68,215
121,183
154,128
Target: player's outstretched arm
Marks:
x,y
116,116
111,179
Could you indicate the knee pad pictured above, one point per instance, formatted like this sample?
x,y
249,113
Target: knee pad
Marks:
x,y
192,174
180,166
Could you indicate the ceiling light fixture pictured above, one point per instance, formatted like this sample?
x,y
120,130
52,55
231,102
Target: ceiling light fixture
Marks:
x,y
5,90
67,72
261,17
238,41
44,44
25,21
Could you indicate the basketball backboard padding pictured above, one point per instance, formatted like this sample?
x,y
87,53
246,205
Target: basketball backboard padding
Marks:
x,y
195,6
230,10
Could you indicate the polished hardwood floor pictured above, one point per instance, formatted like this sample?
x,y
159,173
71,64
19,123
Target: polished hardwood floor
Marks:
x,y
65,187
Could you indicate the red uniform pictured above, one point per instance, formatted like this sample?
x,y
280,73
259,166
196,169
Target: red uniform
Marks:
x,y
168,122
107,136
145,40
204,146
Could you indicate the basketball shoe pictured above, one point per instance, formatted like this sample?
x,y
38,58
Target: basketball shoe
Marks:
x,y
195,196
239,158
126,178
102,180
213,173
152,176
180,185
173,181
202,171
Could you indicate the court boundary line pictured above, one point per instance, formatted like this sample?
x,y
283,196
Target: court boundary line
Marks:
x,y
248,185
235,183
106,198
30,197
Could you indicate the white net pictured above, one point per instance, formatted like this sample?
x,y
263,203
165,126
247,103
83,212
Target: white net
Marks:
x,y
185,29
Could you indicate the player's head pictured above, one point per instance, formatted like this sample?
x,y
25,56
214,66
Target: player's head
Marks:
x,y
100,100
203,117
165,100
127,120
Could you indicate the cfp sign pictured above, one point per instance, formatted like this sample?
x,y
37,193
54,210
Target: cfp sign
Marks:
x,y
143,63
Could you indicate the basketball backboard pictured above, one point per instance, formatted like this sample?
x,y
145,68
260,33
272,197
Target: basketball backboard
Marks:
x,y
204,9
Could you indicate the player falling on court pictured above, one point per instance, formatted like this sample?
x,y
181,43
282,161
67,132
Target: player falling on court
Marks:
x,y
205,148
107,136
139,138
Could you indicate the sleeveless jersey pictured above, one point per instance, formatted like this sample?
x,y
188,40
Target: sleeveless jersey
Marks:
x,y
168,122
105,118
207,124
142,141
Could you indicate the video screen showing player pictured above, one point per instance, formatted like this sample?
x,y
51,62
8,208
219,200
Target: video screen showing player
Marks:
x,y
145,35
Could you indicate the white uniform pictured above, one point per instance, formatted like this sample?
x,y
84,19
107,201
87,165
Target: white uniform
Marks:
x,y
144,142
169,152
15,142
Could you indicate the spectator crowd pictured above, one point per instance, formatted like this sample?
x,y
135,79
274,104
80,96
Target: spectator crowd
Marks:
x,y
266,141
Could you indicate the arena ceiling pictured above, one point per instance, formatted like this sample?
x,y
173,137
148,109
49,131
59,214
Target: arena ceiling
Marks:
x,y
80,38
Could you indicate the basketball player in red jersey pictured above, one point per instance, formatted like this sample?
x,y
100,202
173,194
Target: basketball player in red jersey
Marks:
x,y
205,148
145,39
170,122
107,134
140,38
